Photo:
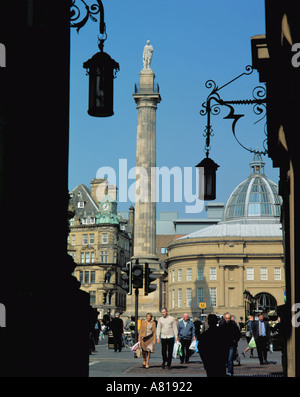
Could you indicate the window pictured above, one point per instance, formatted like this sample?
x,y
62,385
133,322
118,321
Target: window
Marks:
x,y
173,276
80,204
84,239
73,239
93,277
86,277
213,296
163,250
81,277
179,275
200,273
92,297
87,257
189,297
179,297
250,273
91,238
104,238
92,220
212,273
277,273
264,273
189,274
104,257
200,295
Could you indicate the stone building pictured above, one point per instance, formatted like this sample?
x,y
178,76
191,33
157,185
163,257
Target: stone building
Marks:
x,y
100,243
243,252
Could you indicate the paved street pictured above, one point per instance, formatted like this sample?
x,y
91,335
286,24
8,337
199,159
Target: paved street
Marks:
x,y
107,363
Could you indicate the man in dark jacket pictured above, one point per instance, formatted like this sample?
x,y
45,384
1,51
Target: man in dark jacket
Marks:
x,y
261,333
117,327
232,336
186,333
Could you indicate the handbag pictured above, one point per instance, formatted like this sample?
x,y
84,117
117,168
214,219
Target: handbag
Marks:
x,y
252,343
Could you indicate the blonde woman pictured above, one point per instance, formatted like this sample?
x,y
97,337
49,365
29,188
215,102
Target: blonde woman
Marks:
x,y
249,334
147,338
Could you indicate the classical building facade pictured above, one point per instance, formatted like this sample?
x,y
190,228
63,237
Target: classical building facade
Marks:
x,y
240,256
100,243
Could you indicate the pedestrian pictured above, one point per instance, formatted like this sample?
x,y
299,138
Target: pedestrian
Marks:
x,y
117,327
167,333
212,348
248,335
147,338
232,336
186,333
261,333
197,325
127,323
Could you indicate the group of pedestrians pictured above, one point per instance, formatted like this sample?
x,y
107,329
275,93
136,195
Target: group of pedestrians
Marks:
x,y
217,343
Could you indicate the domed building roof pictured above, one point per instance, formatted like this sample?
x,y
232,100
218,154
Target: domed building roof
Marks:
x,y
252,209
254,199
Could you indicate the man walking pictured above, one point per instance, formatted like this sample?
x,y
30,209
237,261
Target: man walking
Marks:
x,y
186,333
167,333
117,327
232,336
261,333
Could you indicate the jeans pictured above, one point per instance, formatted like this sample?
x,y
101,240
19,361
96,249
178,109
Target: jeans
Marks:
x,y
167,345
231,354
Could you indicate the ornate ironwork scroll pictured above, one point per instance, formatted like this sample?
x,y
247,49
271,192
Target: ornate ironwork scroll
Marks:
x,y
213,103
79,14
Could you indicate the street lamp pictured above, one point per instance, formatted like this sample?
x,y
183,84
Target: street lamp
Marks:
x,y
207,187
101,68
102,71
207,179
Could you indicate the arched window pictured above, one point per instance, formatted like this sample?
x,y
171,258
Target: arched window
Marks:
x,y
107,277
265,302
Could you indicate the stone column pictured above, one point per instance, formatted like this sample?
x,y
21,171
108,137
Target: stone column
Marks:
x,y
222,285
241,285
146,98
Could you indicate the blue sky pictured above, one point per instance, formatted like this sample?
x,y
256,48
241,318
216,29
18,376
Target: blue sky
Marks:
x,y
193,41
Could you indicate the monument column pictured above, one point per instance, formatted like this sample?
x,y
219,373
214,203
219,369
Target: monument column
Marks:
x,y
146,97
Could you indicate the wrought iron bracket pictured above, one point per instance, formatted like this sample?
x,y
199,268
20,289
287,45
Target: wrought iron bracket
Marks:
x,y
79,16
212,107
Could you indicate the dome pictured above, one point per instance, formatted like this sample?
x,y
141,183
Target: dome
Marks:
x,y
254,199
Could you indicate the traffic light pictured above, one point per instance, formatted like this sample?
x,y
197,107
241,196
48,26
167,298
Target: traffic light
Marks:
x,y
127,278
149,277
137,276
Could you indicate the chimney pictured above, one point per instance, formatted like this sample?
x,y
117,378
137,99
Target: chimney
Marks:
x,y
98,189
112,191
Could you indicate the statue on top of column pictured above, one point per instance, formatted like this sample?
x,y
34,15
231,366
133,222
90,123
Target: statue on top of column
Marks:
x,y
147,55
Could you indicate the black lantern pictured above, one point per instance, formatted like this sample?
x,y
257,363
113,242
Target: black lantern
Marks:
x,y
102,70
207,180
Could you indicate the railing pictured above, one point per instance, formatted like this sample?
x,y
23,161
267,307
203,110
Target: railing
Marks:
x,y
146,88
